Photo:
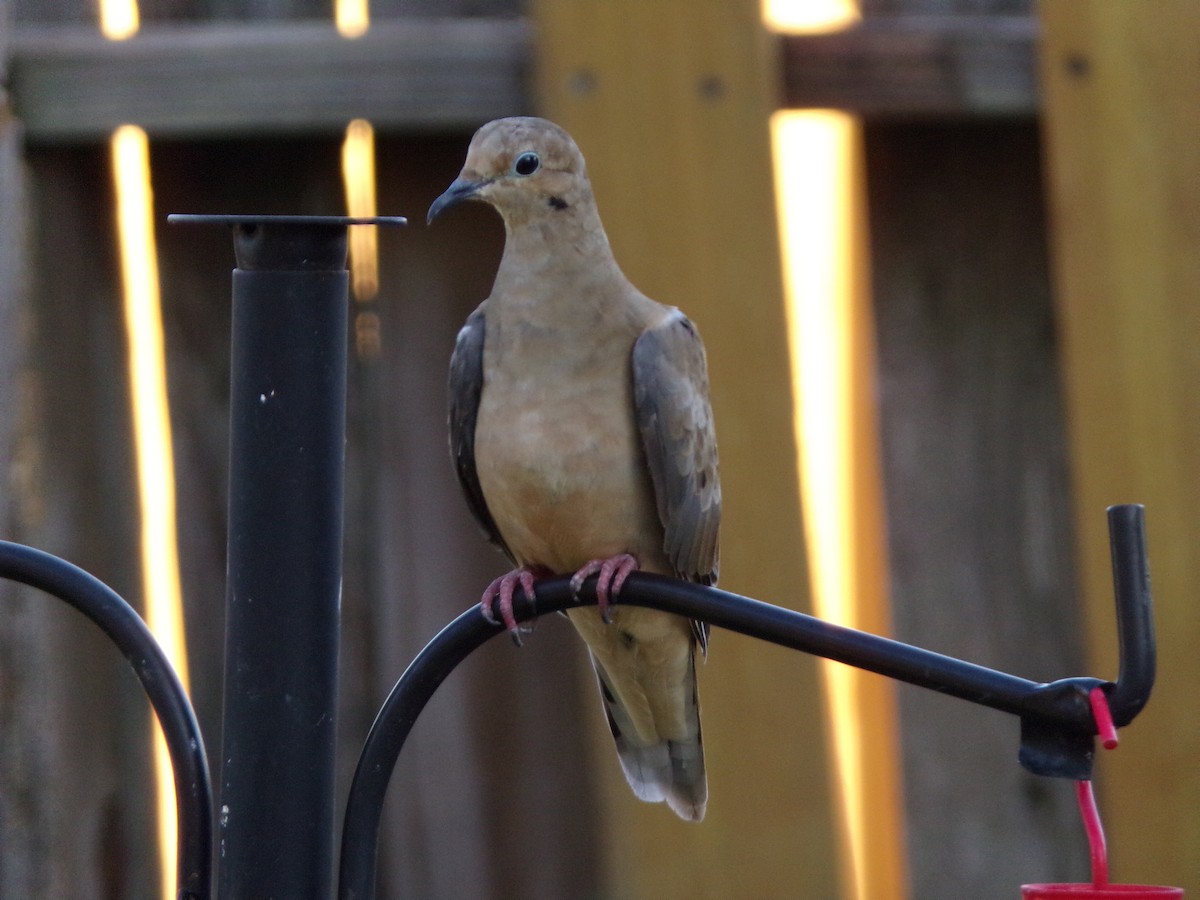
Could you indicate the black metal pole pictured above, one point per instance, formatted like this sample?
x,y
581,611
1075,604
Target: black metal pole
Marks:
x,y
284,565
287,436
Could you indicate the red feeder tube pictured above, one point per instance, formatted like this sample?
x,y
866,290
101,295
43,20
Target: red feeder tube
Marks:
x,y
1099,889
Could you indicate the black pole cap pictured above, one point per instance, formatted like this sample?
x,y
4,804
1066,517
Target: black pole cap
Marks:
x,y
288,243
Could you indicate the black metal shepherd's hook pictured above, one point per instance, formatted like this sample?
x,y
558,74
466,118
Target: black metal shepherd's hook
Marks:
x,y
125,628
1057,726
287,439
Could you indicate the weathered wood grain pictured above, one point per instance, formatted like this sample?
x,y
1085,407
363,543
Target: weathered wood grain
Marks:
x,y
191,79
670,104
81,737
215,79
1123,152
905,66
977,490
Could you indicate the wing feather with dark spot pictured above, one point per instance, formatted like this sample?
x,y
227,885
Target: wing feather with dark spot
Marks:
x,y
670,382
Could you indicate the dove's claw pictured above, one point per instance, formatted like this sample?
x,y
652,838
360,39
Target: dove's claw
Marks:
x,y
612,573
485,607
498,599
582,575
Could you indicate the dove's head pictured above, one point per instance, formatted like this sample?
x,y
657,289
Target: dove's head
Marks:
x,y
526,168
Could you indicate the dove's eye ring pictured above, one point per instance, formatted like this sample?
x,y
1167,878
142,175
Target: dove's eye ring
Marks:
x,y
527,164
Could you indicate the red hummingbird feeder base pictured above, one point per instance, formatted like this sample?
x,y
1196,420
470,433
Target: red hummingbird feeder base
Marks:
x,y
1091,892
1099,889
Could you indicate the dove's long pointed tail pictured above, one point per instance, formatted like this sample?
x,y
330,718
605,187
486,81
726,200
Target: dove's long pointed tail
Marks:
x,y
667,770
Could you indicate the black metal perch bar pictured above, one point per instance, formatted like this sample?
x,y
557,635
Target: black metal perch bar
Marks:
x,y
1057,727
285,527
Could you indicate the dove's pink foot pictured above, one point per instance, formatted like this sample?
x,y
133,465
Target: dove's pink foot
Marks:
x,y
612,571
498,597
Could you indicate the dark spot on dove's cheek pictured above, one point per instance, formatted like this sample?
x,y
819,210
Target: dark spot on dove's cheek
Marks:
x,y
558,203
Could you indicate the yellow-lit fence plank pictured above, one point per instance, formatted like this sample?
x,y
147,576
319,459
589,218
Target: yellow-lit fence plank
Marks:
x,y
670,103
818,160
163,598
1122,104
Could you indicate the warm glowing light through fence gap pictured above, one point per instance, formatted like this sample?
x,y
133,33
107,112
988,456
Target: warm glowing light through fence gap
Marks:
x,y
810,16
358,176
119,19
815,152
152,443
352,17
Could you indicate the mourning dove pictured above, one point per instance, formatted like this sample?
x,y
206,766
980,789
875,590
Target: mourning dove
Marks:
x,y
582,434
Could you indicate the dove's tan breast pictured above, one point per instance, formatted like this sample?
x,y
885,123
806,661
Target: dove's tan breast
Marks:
x,y
564,487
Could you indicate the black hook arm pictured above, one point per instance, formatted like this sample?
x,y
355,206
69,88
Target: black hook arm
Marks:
x,y
1135,613
125,628
1056,718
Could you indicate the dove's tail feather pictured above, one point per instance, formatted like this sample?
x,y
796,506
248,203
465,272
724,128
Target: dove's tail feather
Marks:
x,y
670,770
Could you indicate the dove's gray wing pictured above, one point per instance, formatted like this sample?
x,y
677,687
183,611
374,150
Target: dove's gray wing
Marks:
x,y
670,384
466,387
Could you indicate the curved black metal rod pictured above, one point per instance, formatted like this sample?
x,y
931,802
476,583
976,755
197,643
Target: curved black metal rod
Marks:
x,y
125,628
1056,718
1135,612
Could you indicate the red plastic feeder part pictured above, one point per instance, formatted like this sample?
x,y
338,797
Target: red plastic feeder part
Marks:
x,y
1099,889
1092,892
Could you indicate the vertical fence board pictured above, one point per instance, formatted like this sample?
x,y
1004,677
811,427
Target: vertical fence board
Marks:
x,y
85,731
977,495
21,621
670,104
1122,119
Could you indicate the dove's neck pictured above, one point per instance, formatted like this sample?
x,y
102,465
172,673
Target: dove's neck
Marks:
x,y
566,247
558,285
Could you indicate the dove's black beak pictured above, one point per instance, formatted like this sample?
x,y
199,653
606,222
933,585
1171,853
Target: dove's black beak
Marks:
x,y
461,189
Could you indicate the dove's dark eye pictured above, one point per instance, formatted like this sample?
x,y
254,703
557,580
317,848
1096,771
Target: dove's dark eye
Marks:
x,y
527,164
